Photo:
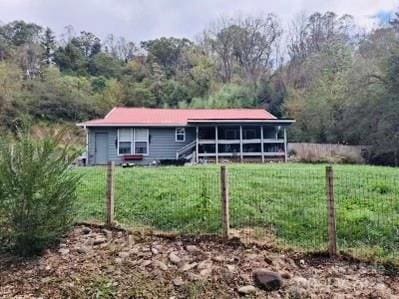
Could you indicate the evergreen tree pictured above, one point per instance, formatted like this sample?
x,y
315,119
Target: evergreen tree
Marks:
x,y
49,45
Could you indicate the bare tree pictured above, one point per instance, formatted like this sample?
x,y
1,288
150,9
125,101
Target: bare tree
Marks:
x,y
245,44
120,48
297,35
219,41
253,44
68,34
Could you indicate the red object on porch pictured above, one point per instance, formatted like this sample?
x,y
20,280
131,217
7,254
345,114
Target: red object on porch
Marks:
x,y
132,157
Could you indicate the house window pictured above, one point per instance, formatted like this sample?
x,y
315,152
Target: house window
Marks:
x,y
125,148
125,141
133,141
141,141
180,134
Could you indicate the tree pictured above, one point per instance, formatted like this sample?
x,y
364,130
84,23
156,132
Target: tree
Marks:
x,y
271,95
175,93
70,59
10,89
220,40
49,45
119,48
61,98
19,33
229,96
37,192
88,43
247,43
254,39
139,95
395,22
166,52
29,59
103,64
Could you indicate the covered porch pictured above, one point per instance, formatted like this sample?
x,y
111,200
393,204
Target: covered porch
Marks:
x,y
259,142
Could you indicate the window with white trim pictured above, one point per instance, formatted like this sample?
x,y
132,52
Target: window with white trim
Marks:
x,y
124,141
141,141
133,141
180,135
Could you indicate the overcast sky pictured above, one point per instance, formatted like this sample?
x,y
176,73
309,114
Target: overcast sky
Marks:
x,y
139,20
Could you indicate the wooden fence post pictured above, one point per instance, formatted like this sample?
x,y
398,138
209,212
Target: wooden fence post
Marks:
x,y
110,193
224,185
332,229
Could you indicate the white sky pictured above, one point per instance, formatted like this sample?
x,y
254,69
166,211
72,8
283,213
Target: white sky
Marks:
x,y
139,20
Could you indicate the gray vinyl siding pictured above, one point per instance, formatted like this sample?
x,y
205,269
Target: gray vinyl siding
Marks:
x,y
162,144
112,136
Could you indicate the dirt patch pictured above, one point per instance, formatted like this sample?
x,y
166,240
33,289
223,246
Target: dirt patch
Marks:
x,y
97,263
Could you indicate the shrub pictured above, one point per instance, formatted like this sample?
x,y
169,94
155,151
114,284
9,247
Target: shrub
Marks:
x,y
37,192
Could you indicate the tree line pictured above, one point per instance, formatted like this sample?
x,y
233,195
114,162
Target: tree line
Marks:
x,y
337,80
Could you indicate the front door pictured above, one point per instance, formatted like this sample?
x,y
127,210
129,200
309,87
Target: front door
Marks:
x,y
101,148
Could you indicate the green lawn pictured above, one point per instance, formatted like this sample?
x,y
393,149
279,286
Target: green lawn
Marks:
x,y
286,199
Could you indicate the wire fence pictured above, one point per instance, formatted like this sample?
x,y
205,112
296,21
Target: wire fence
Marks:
x,y
182,199
367,205
92,194
286,204
290,202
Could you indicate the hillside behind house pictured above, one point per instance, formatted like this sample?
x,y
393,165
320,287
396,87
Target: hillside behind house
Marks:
x,y
339,81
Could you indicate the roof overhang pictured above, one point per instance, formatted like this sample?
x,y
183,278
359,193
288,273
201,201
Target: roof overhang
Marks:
x,y
191,122
263,121
88,125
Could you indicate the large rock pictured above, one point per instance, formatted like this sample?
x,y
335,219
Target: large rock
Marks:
x,y
245,290
82,249
267,280
174,258
178,281
161,265
86,230
192,249
188,266
63,251
99,240
107,233
206,272
204,264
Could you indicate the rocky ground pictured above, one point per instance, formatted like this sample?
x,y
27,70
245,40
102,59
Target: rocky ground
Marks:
x,y
97,263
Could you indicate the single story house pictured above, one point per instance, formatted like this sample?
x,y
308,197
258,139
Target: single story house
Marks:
x,y
145,135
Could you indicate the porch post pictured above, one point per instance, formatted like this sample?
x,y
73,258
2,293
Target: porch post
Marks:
x,y
196,144
285,145
216,144
241,155
261,144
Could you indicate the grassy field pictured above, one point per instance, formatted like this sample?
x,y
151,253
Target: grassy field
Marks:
x,y
288,200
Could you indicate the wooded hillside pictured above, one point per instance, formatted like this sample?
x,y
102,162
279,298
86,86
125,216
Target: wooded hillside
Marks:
x,y
340,82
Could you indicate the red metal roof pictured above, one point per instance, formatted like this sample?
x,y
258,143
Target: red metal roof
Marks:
x,y
164,117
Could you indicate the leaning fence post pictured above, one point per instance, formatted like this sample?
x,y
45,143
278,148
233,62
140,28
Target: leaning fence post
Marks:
x,y
332,229
224,184
110,193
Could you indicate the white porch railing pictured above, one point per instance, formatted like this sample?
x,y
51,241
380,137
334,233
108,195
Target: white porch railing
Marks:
x,y
185,150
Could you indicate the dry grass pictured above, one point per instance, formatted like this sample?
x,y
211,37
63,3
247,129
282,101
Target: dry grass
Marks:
x,y
325,153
